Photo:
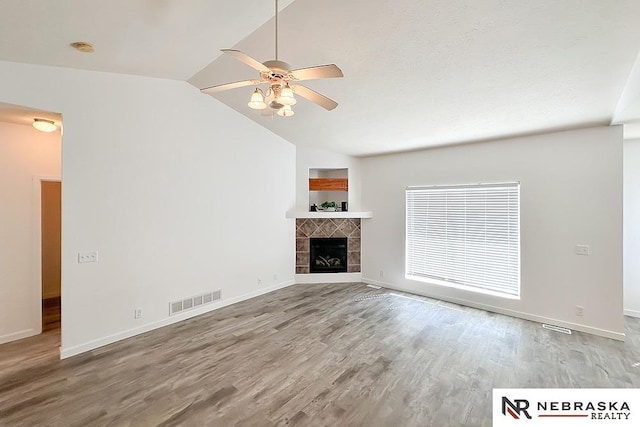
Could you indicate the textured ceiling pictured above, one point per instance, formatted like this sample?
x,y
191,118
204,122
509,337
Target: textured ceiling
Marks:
x,y
418,73
428,73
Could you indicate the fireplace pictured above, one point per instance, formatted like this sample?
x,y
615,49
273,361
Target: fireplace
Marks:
x,y
312,228
328,255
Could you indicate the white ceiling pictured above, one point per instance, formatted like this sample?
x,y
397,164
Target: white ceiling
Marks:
x,y
160,38
417,73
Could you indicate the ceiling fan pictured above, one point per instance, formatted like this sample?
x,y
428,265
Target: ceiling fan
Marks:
x,y
281,81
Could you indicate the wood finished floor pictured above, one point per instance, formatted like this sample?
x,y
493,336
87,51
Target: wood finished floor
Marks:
x,y
310,355
51,308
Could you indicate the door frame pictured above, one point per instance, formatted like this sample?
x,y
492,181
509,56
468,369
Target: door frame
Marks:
x,y
37,242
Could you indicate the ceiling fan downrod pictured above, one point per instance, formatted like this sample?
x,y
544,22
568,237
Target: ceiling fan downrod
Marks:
x,y
276,29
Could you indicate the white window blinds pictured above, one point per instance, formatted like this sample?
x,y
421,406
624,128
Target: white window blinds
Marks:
x,y
467,235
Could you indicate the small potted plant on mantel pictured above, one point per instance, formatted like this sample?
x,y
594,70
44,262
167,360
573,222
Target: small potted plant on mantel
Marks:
x,y
329,206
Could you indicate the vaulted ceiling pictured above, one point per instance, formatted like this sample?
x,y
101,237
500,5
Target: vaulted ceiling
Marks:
x,y
417,73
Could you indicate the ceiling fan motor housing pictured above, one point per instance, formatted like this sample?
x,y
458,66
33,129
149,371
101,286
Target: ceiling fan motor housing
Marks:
x,y
277,70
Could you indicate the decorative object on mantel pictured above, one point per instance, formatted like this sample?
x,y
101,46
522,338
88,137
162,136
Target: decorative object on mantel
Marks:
x,y
344,207
278,75
314,208
329,206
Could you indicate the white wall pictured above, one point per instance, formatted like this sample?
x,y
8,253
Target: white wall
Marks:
x,y
632,227
175,191
25,154
312,158
571,193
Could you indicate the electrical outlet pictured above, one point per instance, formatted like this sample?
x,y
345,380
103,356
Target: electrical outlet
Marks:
x,y
579,310
275,276
381,273
582,249
84,257
259,280
137,313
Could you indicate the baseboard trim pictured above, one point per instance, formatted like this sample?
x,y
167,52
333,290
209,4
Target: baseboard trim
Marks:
x,y
513,313
632,313
18,335
329,278
110,339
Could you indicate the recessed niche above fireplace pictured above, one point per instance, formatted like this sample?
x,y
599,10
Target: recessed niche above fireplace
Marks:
x,y
329,185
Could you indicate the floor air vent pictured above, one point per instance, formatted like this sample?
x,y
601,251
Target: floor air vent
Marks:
x,y
557,329
193,302
372,296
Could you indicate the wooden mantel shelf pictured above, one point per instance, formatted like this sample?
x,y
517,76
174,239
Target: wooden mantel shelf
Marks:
x,y
328,184
349,214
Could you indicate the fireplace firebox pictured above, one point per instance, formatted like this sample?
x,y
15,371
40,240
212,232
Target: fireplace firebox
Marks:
x,y
328,255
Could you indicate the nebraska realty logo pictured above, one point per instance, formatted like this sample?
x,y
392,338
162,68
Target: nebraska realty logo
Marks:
x,y
566,407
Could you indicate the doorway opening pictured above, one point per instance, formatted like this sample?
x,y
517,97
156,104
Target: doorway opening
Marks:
x,y
29,156
51,236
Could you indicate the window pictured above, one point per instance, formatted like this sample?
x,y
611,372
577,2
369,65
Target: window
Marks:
x,y
465,236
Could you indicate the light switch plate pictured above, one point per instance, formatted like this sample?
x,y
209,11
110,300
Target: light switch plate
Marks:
x,y
84,257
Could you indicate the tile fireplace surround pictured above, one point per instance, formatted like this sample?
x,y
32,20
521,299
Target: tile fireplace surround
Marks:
x,y
327,227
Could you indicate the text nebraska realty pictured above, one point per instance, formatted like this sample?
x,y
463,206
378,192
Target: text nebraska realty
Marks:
x,y
599,410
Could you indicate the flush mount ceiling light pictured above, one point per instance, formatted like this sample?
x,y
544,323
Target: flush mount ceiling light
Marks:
x,y
83,47
277,75
44,125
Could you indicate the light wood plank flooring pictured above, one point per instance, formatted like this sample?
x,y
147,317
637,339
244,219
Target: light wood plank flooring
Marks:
x,y
310,355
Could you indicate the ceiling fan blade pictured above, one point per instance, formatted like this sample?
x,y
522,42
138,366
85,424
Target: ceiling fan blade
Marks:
x,y
227,86
314,97
243,57
319,72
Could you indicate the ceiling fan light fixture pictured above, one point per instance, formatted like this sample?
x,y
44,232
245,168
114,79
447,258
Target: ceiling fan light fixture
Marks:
x,y
275,105
275,102
286,111
44,125
286,96
278,74
257,100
